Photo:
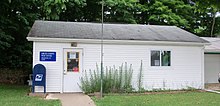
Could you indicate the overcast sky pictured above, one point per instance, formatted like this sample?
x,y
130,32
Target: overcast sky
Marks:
x,y
218,14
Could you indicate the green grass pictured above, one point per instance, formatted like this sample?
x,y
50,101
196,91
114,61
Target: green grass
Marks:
x,y
180,99
11,95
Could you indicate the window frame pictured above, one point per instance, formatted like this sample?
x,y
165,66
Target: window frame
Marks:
x,y
161,58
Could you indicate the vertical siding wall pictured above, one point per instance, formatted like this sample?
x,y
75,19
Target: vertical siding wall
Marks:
x,y
185,70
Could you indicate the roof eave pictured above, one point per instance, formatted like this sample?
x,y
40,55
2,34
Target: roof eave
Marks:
x,y
98,41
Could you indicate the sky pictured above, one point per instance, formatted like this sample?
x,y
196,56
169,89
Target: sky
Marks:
x,y
218,14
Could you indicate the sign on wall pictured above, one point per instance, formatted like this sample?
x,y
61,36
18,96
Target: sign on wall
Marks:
x,y
47,56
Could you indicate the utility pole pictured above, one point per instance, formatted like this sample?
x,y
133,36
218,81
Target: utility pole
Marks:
x,y
101,91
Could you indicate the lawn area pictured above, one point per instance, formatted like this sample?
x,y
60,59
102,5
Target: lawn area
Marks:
x,y
180,99
11,95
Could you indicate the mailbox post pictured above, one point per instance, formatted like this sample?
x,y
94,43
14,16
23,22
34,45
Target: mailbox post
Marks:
x,y
39,77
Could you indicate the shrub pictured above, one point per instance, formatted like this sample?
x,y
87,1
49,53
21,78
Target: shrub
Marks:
x,y
140,76
13,76
114,80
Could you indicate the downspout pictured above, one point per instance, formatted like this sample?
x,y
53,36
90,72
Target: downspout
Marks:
x,y
202,68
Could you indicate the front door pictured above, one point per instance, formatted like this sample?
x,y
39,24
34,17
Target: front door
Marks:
x,y
72,70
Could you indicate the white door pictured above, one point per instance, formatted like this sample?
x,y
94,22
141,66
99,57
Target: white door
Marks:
x,y
72,70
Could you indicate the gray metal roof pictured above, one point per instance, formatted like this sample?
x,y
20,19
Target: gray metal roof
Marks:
x,y
82,30
215,44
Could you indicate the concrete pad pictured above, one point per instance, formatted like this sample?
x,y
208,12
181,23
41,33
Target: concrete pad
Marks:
x,y
72,99
51,96
210,90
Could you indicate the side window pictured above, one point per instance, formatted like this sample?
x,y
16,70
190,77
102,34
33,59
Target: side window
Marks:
x,y
155,58
165,58
160,58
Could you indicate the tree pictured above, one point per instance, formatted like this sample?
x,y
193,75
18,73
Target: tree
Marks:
x,y
92,10
18,16
167,12
207,10
53,8
217,27
16,19
74,11
122,11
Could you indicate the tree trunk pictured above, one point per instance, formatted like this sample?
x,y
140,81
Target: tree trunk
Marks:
x,y
213,24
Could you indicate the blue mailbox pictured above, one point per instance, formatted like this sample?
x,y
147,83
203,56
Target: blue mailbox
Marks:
x,y
39,77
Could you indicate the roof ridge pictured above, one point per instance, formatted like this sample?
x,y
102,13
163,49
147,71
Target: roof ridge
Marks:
x,y
105,23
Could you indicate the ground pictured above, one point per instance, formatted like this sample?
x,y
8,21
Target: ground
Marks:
x,y
11,95
191,98
213,86
17,96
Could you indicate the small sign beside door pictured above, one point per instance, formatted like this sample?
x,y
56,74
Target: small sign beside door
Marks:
x,y
47,56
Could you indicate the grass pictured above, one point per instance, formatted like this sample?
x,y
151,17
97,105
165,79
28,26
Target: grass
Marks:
x,y
179,99
11,95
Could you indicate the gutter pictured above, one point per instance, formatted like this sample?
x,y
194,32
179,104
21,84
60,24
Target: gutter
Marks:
x,y
212,52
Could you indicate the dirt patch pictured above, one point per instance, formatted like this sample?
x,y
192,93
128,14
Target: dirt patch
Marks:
x,y
173,92
42,95
153,93
169,92
213,86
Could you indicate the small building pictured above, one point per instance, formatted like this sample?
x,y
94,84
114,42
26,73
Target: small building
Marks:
x,y
172,58
212,60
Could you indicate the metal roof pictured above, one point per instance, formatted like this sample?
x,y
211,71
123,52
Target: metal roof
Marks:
x,y
215,45
83,30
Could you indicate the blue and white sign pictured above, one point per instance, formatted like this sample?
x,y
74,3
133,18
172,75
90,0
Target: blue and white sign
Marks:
x,y
38,77
47,56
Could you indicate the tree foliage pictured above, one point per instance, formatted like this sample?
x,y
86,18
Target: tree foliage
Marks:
x,y
17,17
166,12
207,14
122,11
15,21
53,8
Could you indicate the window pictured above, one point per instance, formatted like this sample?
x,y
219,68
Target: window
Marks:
x,y
160,58
155,58
165,58
72,61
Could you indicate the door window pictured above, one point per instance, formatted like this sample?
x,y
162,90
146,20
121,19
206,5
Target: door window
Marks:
x,y
73,61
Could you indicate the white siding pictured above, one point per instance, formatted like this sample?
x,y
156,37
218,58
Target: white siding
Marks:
x,y
212,68
53,69
186,66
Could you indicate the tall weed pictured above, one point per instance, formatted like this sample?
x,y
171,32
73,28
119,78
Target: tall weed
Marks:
x,y
114,80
